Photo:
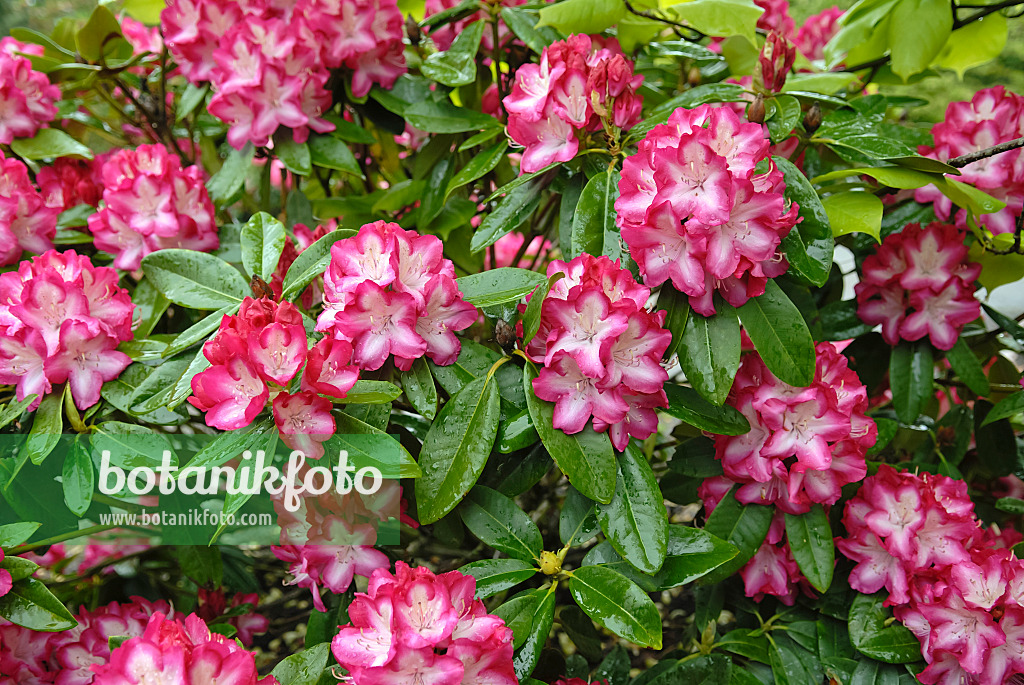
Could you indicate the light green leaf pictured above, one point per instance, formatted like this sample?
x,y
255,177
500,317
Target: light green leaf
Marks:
x,y
931,21
47,427
49,143
263,239
851,211
78,478
720,17
226,183
975,44
456,66
330,152
582,16
146,11
304,668
296,157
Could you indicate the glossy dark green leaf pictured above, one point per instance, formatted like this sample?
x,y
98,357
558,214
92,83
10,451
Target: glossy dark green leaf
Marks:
x,y
131,445
519,611
49,143
531,317
581,630
995,442
636,521
511,213
677,312
46,427
78,478
839,321
295,157
228,181
786,117
18,568
195,279
31,605
13,409
743,525
712,669
498,286
968,368
14,534
524,26
481,164
517,433
910,377
1006,323
709,352
419,388
1006,408
577,522
371,445
809,245
456,66
687,405
330,152
543,617
810,539
746,643
456,448
586,458
780,335
497,575
444,117
593,224
792,664
893,643
305,667
263,239
614,668
618,604
498,522
201,564
310,263
433,197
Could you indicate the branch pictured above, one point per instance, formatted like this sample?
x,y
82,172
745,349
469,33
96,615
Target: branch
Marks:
x,y
982,13
646,14
971,157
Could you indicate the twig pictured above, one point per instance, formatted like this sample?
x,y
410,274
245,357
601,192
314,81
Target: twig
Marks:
x,y
646,14
971,157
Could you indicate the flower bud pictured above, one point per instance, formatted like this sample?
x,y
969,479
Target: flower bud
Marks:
x,y
812,120
776,60
694,77
755,111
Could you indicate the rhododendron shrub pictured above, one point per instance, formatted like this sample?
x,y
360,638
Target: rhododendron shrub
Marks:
x,y
497,342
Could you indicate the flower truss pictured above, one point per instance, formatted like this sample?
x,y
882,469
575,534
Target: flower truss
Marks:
x,y
27,98
28,218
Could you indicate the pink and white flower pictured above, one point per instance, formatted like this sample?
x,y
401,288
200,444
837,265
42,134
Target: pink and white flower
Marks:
x,y
27,98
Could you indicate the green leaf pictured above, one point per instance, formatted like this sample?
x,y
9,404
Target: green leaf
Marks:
x,y
910,376
18,567
499,523
677,311
419,388
810,539
1010,505
432,200
524,25
49,143
745,526
14,409
31,605
199,331
785,118
636,521
973,45
304,668
541,620
456,66
720,17
330,152
263,239
371,445
498,286
371,392
891,176
851,211
46,428
825,82
809,246
577,522
582,16
201,564
709,352
444,117
130,445
968,367
932,23
511,213
497,575
792,664
195,279
518,613
227,446
593,224
586,458
14,534
481,164
893,643
970,198
1007,407
456,448
310,263
296,157
531,317
78,478
227,182
183,386
192,97
687,405
781,336
618,604
94,39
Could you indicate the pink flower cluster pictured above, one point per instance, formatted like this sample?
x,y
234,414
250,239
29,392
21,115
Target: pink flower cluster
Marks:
x,y
67,657
811,38
61,320
582,84
264,346
71,182
391,291
601,350
331,537
418,627
962,596
920,283
994,115
150,203
213,604
443,36
26,96
776,17
269,62
175,652
804,444
27,221
693,210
